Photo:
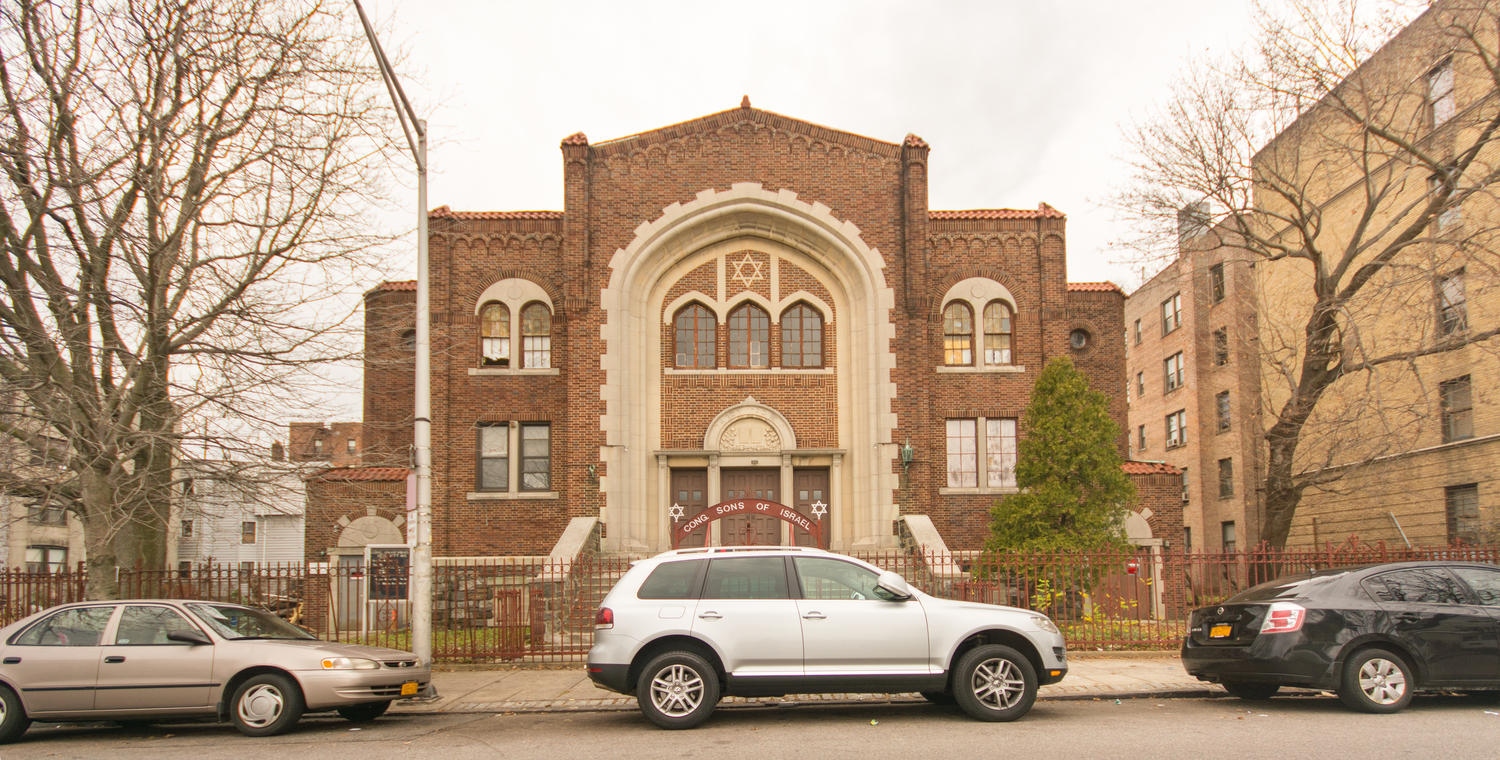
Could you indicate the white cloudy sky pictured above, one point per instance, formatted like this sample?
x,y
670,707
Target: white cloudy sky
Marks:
x,y
1022,101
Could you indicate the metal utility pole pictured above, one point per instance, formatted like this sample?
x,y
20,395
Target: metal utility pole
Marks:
x,y
421,538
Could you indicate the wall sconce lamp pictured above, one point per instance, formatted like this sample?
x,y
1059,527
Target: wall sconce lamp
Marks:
x,y
907,454
593,474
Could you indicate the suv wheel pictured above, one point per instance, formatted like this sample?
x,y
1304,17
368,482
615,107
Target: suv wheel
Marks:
x,y
994,683
677,690
1376,681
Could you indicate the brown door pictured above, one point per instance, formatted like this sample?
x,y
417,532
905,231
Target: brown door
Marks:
x,y
810,498
690,492
750,530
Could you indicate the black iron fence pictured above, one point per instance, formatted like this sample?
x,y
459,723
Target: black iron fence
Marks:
x,y
540,610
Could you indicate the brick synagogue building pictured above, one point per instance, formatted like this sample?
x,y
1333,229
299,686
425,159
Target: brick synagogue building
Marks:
x,y
742,328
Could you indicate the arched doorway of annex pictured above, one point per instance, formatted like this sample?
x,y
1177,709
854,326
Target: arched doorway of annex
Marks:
x,y
688,254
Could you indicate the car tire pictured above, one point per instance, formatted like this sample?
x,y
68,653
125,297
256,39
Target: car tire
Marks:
x,y
1377,681
364,713
266,705
1253,692
13,720
994,683
677,690
938,697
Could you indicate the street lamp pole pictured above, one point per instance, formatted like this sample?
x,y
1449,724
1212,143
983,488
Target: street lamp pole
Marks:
x,y
421,533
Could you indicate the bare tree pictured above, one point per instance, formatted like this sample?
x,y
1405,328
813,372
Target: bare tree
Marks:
x,y
1340,154
182,223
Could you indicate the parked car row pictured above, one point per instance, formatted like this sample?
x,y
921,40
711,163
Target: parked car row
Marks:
x,y
681,630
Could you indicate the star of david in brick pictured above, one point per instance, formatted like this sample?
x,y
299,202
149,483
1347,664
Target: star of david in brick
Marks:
x,y
675,512
819,509
750,277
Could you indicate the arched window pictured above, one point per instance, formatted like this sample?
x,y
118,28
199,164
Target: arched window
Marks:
x,y
997,333
801,337
958,335
536,336
695,328
749,337
494,335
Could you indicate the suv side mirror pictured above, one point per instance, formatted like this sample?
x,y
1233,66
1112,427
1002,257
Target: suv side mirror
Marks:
x,y
894,585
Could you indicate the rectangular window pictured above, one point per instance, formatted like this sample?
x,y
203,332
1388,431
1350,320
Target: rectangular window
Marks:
x,y
1187,539
46,513
1463,513
1140,384
1221,346
46,559
1221,411
1171,313
1226,478
1452,303
1172,372
187,528
1228,537
1140,437
1000,453
1216,283
1440,101
350,446
963,457
1452,214
1177,429
1137,332
1186,494
536,457
247,532
494,458
1458,409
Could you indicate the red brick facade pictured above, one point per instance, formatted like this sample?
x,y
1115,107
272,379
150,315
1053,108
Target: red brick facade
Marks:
x,y
735,212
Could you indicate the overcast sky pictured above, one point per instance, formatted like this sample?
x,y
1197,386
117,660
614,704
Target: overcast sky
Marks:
x,y
1022,102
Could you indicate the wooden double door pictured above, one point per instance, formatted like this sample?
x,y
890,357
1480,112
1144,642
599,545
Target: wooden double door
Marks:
x,y
809,498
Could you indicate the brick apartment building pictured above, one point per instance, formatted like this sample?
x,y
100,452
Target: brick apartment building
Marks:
x,y
743,308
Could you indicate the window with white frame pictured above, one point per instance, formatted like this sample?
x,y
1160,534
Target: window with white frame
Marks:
x,y
1172,369
996,437
494,335
498,471
1171,313
247,532
1452,214
514,324
1452,304
536,336
1458,409
958,335
46,559
1140,437
997,329
1176,429
1441,103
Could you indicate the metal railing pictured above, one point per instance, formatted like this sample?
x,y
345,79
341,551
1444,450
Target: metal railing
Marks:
x,y
541,610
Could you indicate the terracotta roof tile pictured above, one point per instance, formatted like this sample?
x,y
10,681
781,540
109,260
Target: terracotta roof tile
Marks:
x,y
577,138
912,141
370,474
1135,467
398,285
1042,211
443,212
1094,287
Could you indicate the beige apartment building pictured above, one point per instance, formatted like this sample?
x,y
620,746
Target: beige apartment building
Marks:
x,y
1375,209
1193,384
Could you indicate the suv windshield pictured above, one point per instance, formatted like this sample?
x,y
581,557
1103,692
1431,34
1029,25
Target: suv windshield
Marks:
x,y
235,622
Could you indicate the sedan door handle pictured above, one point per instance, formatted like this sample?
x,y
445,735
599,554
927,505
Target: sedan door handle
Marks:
x,y
710,615
115,658
814,616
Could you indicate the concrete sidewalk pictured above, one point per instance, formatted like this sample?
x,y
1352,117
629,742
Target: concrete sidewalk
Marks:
x,y
565,689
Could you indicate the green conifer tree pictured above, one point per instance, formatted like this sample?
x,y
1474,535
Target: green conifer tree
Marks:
x,y
1073,492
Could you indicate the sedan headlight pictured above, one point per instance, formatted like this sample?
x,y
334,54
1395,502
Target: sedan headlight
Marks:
x,y
1045,623
349,663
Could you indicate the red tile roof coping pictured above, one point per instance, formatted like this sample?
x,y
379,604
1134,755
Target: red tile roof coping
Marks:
x,y
1094,287
1043,211
396,285
1135,467
374,474
443,212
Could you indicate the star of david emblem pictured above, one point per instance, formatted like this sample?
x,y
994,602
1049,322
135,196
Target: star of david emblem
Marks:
x,y
750,277
819,509
675,512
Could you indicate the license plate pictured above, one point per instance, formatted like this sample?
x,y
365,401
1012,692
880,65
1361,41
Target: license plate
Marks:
x,y
409,689
1220,631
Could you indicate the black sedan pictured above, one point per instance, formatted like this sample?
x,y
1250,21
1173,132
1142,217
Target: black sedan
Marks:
x,y
1374,634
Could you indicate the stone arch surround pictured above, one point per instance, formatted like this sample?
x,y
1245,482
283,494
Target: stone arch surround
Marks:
x,y
633,299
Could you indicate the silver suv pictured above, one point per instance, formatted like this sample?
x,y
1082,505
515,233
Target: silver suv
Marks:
x,y
684,628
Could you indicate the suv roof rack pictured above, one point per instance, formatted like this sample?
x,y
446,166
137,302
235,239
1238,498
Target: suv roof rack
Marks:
x,y
729,549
